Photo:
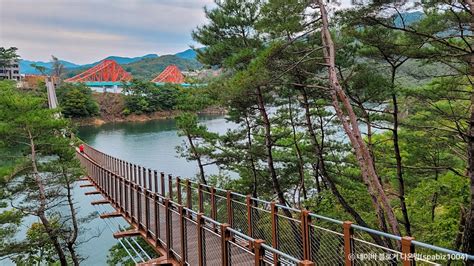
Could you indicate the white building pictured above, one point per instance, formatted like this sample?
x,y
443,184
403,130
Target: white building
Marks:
x,y
10,72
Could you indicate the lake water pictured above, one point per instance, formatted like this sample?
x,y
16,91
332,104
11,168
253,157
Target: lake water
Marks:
x,y
150,144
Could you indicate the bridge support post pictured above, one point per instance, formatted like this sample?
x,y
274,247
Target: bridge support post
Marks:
x,y
170,186
182,223
155,174
147,213
249,218
132,202
229,208
274,217
168,227
178,190
189,203
150,177
407,251
200,203
213,205
225,237
162,184
200,236
157,218
121,194
259,252
348,243
139,207
125,197
305,233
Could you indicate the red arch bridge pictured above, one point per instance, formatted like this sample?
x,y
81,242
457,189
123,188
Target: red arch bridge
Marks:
x,y
188,223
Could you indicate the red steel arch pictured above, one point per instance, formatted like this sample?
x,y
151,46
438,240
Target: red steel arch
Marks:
x,y
107,70
171,74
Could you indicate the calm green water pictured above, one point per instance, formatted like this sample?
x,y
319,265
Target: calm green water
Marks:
x,y
151,144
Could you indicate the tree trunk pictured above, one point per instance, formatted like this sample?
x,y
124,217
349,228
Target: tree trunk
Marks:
x,y
299,156
71,242
41,212
398,158
269,147
198,159
351,126
468,234
318,150
251,159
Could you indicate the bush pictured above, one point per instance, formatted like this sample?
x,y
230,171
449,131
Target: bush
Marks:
x,y
76,101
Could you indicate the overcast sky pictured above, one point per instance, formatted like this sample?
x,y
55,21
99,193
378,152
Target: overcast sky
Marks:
x,y
83,31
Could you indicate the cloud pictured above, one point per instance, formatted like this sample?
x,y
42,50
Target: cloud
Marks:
x,y
87,30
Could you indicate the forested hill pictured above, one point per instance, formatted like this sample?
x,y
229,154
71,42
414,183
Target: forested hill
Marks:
x,y
150,67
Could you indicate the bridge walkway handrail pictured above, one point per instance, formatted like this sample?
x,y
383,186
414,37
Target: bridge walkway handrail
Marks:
x,y
177,231
304,236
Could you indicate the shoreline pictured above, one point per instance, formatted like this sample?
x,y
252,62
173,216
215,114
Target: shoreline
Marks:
x,y
160,115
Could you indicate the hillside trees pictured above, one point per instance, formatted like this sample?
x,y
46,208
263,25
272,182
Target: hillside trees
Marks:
x,y
76,101
44,170
147,97
232,43
446,35
324,110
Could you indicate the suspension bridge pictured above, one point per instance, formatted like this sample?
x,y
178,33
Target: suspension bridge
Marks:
x,y
189,223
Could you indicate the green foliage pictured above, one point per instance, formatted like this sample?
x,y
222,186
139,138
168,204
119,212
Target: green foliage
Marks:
x,y
39,152
8,56
230,40
387,62
76,101
39,249
147,97
118,255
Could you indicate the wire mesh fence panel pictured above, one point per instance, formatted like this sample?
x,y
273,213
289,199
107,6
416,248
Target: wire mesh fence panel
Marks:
x,y
239,216
142,209
290,239
183,193
426,257
126,193
162,226
367,252
135,204
239,255
213,248
327,246
206,202
262,224
151,216
221,209
122,195
191,242
176,233
194,197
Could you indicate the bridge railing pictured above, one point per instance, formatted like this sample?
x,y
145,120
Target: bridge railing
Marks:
x,y
183,233
299,233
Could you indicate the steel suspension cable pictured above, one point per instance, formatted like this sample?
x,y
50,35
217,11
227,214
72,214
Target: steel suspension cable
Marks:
x,y
120,240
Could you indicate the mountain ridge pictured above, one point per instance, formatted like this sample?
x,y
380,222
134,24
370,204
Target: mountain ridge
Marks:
x,y
26,68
